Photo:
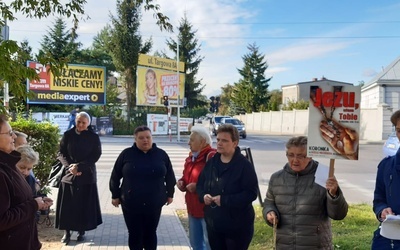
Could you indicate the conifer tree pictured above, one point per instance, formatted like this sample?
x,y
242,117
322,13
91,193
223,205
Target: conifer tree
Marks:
x,y
251,91
189,49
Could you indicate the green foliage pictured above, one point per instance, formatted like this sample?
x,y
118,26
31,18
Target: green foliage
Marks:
x,y
302,104
275,100
189,49
353,232
125,45
120,126
44,138
60,42
251,91
12,71
195,112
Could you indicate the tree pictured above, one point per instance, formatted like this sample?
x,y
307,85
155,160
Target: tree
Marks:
x,y
301,104
10,71
189,54
251,91
60,43
125,46
275,100
98,54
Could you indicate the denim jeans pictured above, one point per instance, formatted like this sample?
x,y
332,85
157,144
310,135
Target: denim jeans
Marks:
x,y
198,233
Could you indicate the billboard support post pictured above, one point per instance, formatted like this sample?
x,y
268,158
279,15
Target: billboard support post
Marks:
x,y
179,97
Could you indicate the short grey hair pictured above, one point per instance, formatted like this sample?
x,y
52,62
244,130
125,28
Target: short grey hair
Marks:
x,y
299,141
84,114
28,154
202,132
20,134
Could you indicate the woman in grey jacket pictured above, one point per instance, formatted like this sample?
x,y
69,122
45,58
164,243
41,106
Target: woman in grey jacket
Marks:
x,y
299,207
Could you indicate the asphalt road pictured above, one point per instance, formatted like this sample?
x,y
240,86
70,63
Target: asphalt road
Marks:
x,y
356,178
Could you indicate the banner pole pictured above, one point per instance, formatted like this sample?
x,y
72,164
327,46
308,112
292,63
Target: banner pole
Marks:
x,y
331,167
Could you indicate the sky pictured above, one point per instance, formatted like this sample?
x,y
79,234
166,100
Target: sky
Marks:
x,y
348,41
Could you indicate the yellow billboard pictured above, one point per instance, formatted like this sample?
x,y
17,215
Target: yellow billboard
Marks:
x,y
76,84
160,63
152,84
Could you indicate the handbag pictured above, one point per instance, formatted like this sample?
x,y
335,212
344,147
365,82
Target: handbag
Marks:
x,y
57,172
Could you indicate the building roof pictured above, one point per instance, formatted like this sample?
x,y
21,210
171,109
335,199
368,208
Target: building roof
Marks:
x,y
391,72
316,80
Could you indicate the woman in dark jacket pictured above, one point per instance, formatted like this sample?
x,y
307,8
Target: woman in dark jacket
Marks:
x,y
227,186
148,182
17,206
387,192
78,206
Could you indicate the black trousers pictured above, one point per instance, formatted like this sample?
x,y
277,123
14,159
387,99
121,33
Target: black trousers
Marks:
x,y
238,240
142,228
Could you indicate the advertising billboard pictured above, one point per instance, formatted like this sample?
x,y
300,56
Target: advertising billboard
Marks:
x,y
76,85
157,77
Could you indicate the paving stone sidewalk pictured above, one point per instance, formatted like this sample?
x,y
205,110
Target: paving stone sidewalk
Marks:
x,y
112,234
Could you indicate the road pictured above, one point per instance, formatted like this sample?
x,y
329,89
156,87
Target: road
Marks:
x,y
356,178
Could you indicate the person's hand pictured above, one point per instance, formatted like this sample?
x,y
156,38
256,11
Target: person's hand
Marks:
x,y
169,201
41,204
191,187
48,201
217,200
272,218
332,186
73,169
385,212
115,202
208,199
342,139
180,185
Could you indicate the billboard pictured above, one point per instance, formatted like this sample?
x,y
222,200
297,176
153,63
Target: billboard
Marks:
x,y
158,77
77,84
334,121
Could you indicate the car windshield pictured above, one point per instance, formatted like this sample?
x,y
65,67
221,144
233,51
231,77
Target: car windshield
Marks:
x,y
218,119
232,121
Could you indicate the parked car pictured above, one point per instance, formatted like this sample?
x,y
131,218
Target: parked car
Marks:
x,y
215,122
238,124
391,145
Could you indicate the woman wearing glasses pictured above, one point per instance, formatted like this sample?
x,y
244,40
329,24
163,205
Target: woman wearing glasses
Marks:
x,y
298,207
17,207
227,186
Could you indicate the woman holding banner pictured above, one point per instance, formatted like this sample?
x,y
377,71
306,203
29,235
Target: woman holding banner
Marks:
x,y
298,207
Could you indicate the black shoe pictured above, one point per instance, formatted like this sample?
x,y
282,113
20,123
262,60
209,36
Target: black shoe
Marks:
x,y
66,238
81,236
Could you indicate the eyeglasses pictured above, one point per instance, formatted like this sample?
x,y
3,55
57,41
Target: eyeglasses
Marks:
x,y
297,157
10,133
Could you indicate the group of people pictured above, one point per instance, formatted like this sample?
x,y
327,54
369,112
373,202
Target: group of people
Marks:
x,y
220,185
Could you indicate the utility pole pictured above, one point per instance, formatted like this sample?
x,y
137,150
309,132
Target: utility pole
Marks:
x,y
179,97
5,37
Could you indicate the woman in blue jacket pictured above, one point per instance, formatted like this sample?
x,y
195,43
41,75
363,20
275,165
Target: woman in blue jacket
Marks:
x,y
387,192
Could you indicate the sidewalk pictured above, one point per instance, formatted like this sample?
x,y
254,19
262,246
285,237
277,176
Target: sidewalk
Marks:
x,y
112,234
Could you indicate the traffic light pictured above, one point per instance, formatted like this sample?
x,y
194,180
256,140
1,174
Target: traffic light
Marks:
x,y
165,98
212,98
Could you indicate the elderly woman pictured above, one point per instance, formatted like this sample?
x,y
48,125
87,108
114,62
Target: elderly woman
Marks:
x,y
78,206
148,182
17,206
227,186
200,153
300,208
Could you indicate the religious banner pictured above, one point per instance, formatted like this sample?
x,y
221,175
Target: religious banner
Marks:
x,y
334,121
